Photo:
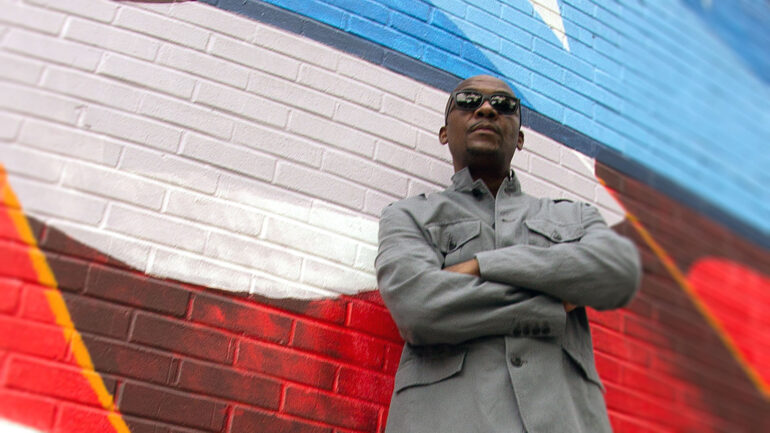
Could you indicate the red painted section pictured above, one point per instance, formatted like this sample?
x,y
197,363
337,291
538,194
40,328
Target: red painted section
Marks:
x,y
75,418
11,290
739,297
15,261
42,377
365,385
29,338
31,410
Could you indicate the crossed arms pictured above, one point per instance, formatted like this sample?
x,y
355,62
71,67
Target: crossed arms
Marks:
x,y
471,267
502,290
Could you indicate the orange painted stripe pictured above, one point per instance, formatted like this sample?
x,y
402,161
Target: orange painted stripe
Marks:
x,y
59,308
701,306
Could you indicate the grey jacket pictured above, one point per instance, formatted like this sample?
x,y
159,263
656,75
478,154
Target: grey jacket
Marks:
x,y
498,353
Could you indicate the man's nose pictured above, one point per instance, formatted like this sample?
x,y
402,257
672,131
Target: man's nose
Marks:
x,y
486,110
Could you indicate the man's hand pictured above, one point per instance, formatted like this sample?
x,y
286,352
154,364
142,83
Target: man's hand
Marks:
x,y
470,267
568,307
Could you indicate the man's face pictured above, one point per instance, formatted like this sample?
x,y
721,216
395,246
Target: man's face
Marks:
x,y
482,139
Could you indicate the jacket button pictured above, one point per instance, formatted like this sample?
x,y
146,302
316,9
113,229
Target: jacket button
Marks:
x,y
516,361
535,330
556,236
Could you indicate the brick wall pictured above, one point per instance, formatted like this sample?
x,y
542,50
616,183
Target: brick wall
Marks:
x,y
189,226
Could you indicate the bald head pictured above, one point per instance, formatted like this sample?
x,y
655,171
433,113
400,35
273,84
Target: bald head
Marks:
x,y
485,79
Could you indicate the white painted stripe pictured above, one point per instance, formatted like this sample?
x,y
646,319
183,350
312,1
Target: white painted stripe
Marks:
x,y
551,14
11,427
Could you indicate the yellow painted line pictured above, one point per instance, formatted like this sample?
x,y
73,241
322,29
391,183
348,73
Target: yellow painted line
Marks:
x,y
702,308
59,308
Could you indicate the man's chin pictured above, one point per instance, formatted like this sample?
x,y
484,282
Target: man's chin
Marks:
x,y
485,150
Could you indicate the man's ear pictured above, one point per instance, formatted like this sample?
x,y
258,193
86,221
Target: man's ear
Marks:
x,y
520,144
442,137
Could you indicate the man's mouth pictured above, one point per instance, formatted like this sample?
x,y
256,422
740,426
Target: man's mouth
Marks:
x,y
485,127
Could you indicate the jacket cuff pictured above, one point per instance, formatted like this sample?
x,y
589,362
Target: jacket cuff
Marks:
x,y
491,266
544,317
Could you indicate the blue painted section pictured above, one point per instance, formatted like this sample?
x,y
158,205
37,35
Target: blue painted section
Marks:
x,y
743,25
646,88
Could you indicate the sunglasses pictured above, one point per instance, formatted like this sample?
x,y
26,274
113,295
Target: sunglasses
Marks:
x,y
470,100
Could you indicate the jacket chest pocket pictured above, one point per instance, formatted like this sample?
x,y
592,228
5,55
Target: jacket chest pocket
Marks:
x,y
545,232
457,241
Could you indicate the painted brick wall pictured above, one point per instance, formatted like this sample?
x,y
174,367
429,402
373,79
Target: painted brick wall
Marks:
x,y
189,226
635,90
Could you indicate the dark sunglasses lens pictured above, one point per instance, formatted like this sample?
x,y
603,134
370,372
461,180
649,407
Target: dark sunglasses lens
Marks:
x,y
503,104
468,100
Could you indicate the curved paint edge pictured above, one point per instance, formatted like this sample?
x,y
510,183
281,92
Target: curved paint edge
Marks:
x,y
442,80
58,307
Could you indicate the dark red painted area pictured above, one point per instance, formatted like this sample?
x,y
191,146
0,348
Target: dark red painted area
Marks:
x,y
173,407
183,358
665,367
249,421
242,317
132,288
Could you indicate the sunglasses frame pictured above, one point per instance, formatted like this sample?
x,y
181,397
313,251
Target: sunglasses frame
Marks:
x,y
484,97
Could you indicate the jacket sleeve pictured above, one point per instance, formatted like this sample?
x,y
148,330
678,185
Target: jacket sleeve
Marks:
x,y
432,306
601,270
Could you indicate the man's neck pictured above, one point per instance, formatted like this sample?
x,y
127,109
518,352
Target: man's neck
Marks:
x,y
492,182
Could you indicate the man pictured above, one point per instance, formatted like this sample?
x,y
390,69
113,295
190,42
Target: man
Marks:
x,y
488,286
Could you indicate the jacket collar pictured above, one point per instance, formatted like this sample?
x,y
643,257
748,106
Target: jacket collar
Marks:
x,y
463,182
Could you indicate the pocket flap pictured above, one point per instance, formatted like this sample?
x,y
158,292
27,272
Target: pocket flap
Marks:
x,y
587,367
453,235
554,231
427,370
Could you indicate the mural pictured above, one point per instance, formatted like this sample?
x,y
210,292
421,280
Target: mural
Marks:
x,y
190,193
